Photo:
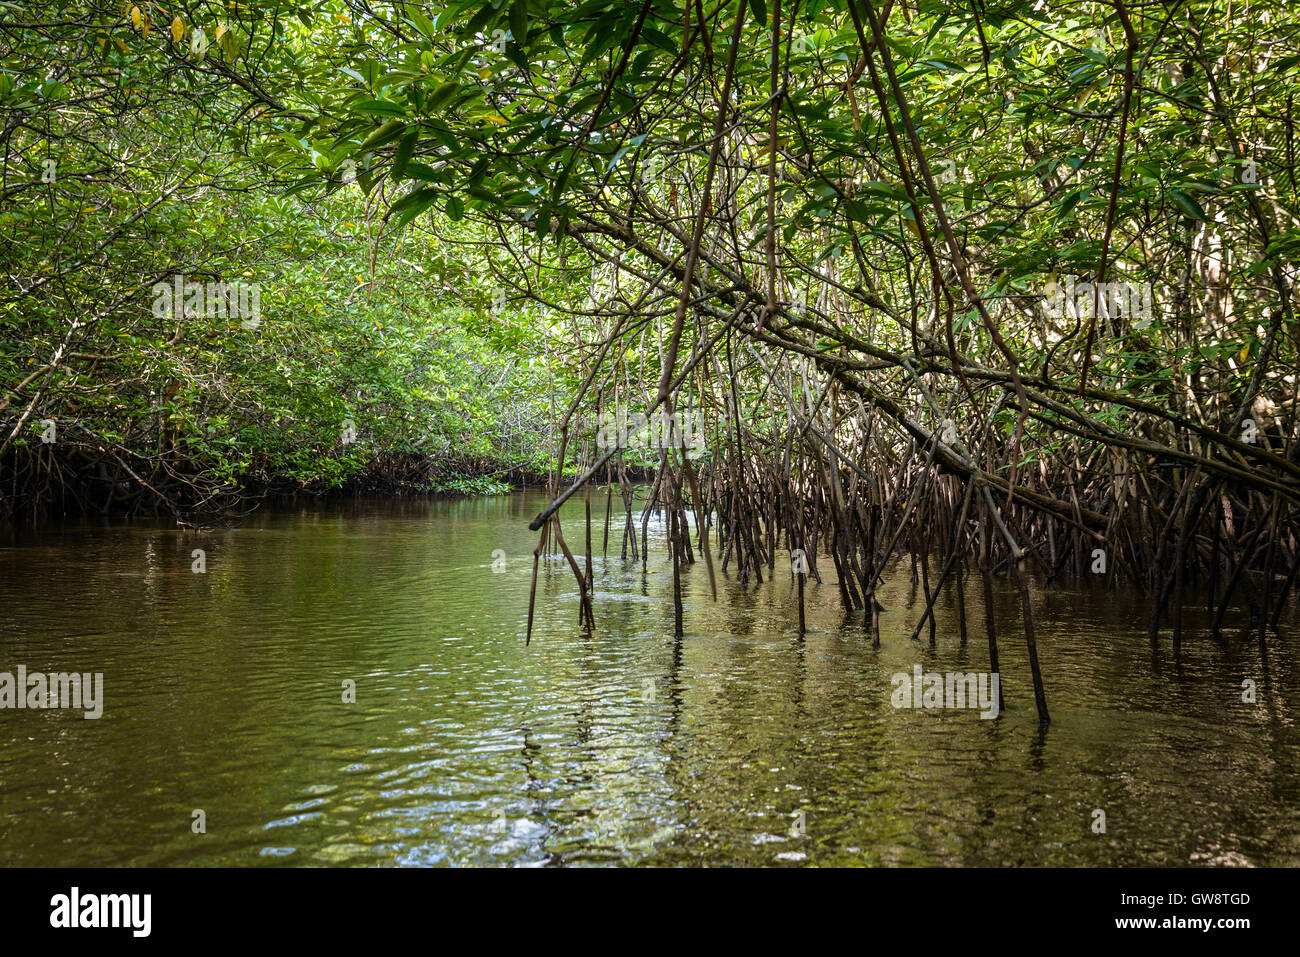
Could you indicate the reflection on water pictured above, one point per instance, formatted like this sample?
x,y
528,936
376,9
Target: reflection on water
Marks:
x,y
224,692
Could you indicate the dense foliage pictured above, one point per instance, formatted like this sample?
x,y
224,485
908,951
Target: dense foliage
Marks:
x,y
1043,250
131,161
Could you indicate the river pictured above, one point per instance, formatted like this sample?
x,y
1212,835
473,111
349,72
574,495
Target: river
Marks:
x,y
740,744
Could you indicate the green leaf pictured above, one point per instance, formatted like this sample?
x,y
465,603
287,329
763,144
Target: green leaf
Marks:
x,y
422,22
1190,207
441,95
384,134
481,19
1070,201
405,149
519,21
380,108
420,171
659,39
419,198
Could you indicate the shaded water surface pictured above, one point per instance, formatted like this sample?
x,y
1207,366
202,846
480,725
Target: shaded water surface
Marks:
x,y
223,692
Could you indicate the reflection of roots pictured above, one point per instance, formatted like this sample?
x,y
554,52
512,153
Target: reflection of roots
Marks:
x,y
819,438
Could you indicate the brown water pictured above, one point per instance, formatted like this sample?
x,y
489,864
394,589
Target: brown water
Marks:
x,y
223,692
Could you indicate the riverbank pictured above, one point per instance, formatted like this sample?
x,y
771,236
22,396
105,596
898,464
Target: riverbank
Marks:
x,y
42,484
